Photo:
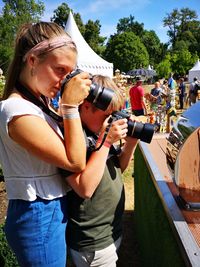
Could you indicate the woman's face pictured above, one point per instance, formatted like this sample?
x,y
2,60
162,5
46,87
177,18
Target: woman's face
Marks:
x,y
49,72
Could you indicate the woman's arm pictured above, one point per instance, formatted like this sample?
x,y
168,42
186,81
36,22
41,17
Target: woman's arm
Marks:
x,y
36,136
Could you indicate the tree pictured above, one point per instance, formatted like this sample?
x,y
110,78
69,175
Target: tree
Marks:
x,y
24,11
126,51
61,14
180,22
92,36
186,17
172,21
14,14
128,24
181,61
164,68
153,46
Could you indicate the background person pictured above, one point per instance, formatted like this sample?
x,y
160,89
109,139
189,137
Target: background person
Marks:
x,y
96,203
192,95
137,101
155,96
32,144
181,92
172,91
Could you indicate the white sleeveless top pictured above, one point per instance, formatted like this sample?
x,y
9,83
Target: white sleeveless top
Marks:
x,y
26,176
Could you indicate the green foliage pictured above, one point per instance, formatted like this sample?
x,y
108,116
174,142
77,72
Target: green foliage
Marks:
x,y
128,24
164,69
126,51
7,258
153,46
14,14
92,36
182,24
181,61
61,15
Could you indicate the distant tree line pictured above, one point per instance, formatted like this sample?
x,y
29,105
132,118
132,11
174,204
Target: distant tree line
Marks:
x,y
130,47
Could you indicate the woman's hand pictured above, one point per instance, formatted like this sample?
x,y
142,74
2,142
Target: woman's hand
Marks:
x,y
77,89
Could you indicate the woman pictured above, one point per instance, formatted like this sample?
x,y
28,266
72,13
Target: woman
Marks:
x,y
32,145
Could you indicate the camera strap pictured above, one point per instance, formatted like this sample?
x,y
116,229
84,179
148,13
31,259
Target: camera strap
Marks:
x,y
104,137
28,95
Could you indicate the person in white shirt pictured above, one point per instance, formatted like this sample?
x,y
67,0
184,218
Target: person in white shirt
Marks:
x,y
33,147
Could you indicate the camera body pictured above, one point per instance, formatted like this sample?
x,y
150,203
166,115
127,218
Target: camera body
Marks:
x,y
99,96
139,130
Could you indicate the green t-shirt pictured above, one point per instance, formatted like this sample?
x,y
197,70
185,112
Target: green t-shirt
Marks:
x,y
96,223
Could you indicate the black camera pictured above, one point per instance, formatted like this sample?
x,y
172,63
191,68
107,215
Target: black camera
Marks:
x,y
99,96
139,130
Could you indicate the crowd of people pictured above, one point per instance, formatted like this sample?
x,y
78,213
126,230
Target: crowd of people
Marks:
x,y
174,93
165,98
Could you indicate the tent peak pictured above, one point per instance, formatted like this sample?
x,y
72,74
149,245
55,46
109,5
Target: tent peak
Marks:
x,y
88,60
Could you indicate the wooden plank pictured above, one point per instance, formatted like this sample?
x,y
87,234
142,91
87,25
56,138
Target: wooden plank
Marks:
x,y
161,176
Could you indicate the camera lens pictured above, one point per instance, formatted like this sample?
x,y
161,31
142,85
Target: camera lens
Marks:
x,y
100,96
142,131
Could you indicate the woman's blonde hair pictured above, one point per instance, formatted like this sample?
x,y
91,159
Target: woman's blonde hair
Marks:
x,y
118,99
29,36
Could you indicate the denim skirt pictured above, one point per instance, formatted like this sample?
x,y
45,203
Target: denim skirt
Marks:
x,y
35,231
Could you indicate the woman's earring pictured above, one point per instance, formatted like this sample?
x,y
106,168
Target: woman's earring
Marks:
x,y
32,72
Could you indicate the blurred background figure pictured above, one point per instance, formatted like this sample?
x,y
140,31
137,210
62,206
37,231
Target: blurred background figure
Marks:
x,y
172,91
181,93
155,96
136,94
192,96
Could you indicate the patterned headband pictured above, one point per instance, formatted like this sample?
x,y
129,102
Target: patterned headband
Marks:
x,y
49,45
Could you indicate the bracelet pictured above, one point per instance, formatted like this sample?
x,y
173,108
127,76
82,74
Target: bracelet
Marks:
x,y
71,116
65,108
69,111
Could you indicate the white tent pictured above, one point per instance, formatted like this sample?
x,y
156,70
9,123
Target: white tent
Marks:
x,y
194,72
88,60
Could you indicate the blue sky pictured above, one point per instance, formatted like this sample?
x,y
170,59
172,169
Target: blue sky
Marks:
x,y
108,12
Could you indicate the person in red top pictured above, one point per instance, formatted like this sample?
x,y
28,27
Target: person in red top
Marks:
x,y
136,94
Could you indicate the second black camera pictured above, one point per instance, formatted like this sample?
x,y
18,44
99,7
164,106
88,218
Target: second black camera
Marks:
x,y
139,130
